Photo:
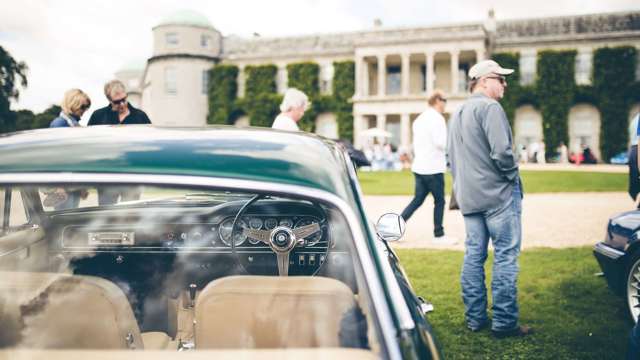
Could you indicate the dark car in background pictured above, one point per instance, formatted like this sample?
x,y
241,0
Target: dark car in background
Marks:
x,y
229,243
619,258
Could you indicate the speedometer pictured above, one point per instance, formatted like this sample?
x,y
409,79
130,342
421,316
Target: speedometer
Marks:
x,y
225,232
286,222
313,238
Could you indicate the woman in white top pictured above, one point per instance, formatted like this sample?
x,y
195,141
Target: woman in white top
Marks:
x,y
293,106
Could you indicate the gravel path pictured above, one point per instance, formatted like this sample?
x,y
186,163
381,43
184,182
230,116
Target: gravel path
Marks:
x,y
548,220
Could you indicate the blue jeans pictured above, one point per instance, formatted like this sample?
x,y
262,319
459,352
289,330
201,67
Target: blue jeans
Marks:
x,y
503,226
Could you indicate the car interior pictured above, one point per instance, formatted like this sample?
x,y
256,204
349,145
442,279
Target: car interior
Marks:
x,y
175,268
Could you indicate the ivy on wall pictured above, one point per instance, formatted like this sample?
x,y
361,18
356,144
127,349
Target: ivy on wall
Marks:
x,y
510,100
343,88
613,78
555,83
305,76
555,91
261,102
223,88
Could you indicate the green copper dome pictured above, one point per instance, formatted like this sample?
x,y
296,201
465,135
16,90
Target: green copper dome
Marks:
x,y
186,17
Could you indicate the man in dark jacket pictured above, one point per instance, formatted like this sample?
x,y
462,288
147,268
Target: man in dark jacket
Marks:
x,y
118,112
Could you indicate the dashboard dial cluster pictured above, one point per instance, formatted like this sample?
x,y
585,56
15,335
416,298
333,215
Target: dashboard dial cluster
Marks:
x,y
265,223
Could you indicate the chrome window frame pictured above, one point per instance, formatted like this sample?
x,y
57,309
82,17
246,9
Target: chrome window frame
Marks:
x,y
374,286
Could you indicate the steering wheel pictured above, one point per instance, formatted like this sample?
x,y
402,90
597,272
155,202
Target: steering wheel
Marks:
x,y
281,239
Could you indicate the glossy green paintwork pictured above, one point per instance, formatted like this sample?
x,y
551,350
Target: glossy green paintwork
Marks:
x,y
247,154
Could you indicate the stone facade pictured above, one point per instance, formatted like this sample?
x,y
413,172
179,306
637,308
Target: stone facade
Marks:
x,y
395,68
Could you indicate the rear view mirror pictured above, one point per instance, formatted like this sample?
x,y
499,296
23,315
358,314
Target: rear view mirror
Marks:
x,y
390,227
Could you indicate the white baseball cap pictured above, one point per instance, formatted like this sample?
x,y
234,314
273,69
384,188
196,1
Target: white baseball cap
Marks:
x,y
486,67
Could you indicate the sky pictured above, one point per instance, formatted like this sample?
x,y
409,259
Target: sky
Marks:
x,y
82,43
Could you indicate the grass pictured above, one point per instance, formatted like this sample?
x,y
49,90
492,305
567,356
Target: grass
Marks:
x,y
574,313
401,182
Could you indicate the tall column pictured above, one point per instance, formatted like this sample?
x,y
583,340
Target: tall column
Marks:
x,y
358,85
430,74
480,54
382,75
454,72
405,74
405,131
241,81
364,91
281,82
358,127
381,120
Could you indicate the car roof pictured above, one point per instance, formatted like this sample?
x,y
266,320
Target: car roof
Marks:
x,y
258,154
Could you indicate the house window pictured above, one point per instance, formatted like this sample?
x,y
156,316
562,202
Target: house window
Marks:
x,y
527,68
204,41
463,83
394,80
326,76
170,81
205,81
171,39
584,61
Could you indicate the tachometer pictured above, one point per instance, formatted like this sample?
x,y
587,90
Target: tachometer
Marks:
x,y
225,232
286,222
270,223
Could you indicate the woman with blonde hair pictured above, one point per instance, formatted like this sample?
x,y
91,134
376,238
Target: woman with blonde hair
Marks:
x,y
74,104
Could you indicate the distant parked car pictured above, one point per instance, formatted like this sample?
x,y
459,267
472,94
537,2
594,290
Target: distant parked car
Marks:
x,y
619,258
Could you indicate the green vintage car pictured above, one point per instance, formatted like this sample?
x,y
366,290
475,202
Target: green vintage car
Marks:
x,y
203,243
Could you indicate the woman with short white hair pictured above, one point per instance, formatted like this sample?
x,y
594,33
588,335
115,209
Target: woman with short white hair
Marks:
x,y
293,106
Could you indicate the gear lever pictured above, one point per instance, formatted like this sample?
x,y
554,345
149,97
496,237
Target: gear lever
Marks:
x,y
192,294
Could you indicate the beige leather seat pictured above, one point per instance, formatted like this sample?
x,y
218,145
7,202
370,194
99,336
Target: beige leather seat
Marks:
x,y
271,312
57,311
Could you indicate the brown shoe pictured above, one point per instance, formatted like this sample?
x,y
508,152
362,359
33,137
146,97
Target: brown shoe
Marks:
x,y
522,330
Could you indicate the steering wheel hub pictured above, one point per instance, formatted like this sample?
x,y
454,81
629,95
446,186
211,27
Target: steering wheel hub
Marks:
x,y
282,239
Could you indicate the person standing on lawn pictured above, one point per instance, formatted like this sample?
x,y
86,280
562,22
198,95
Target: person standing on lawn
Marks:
x,y
430,163
487,185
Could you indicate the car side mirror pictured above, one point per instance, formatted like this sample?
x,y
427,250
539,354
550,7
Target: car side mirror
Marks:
x,y
390,227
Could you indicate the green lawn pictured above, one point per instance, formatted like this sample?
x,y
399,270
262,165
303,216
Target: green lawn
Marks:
x,y
574,313
401,182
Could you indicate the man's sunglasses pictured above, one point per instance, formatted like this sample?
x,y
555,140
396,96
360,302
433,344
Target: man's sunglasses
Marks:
x,y
501,79
118,102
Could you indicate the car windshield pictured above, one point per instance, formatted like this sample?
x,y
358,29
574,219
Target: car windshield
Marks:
x,y
57,198
86,266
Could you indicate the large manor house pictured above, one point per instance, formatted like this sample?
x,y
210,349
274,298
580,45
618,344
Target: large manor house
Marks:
x,y
395,68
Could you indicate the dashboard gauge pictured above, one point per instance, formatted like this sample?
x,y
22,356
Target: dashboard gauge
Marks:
x,y
315,237
225,232
270,223
286,222
255,223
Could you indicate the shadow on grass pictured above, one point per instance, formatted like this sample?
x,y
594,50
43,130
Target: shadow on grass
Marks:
x,y
575,314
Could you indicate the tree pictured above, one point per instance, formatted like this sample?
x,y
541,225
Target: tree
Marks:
x,y
12,75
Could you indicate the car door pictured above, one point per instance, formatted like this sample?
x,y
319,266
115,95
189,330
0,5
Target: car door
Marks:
x,y
423,338
22,243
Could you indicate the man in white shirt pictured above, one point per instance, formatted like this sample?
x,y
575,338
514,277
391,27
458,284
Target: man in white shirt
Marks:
x,y
429,163
293,106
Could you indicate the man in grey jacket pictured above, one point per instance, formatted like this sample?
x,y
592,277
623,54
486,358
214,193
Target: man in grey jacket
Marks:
x,y
487,185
